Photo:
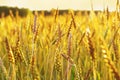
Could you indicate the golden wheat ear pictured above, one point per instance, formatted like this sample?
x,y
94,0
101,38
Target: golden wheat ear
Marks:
x,y
33,68
90,44
110,64
112,67
11,60
9,52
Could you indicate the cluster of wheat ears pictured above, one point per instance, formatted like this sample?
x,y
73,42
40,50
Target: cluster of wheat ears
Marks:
x,y
60,47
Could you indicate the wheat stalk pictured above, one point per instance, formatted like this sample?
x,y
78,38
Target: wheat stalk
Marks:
x,y
3,68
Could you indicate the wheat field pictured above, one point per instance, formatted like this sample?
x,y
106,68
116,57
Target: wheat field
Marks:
x,y
60,47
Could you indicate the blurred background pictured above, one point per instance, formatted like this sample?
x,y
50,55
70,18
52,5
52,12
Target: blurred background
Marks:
x,y
25,6
61,4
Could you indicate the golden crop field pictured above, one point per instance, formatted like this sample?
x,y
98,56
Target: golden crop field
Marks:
x,y
60,47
